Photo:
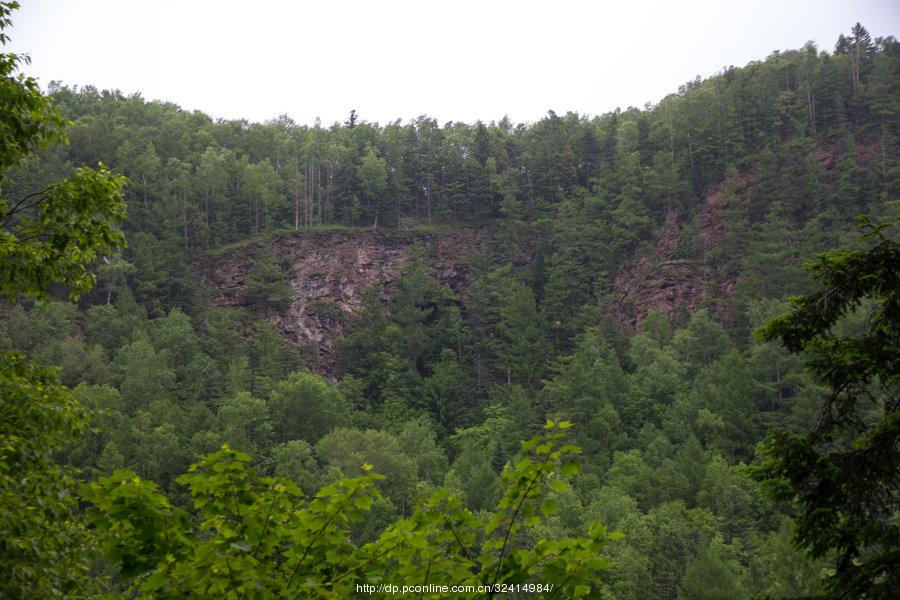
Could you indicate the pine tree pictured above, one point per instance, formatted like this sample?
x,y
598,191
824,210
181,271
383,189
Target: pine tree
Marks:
x,y
845,474
523,347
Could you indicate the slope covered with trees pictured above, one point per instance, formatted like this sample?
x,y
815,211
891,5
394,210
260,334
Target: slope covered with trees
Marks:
x,y
404,464
196,183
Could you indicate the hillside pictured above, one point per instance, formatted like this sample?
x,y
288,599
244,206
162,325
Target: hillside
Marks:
x,y
284,360
686,265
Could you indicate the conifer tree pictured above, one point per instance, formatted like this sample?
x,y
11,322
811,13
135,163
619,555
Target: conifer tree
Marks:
x,y
845,474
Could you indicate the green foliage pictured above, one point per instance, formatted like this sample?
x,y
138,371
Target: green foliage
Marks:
x,y
46,237
41,332
270,358
42,546
75,223
143,374
449,392
83,363
268,286
260,537
418,440
473,476
244,423
394,346
522,347
588,387
28,120
306,407
106,324
345,449
844,474
714,574
139,527
294,460
788,571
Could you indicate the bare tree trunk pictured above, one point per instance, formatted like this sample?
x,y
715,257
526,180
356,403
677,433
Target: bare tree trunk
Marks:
x,y
691,153
530,194
810,102
184,208
307,185
671,151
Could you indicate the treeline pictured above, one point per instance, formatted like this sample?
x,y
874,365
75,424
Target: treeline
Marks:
x,y
212,182
813,134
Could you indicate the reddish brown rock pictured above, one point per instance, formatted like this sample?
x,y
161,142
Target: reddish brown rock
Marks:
x,y
328,271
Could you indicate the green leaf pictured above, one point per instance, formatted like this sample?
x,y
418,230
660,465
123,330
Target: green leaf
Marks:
x,y
548,506
558,485
570,468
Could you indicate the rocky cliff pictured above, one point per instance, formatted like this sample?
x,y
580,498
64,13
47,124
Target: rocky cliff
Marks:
x,y
328,271
666,280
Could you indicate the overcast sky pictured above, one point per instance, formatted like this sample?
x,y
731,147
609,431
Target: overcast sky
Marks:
x,y
457,60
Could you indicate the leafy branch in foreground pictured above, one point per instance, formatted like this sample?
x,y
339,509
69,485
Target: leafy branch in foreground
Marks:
x,y
41,544
444,543
845,473
47,237
260,537
75,222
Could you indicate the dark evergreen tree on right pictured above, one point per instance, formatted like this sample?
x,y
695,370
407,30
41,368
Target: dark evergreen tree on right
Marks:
x,y
844,474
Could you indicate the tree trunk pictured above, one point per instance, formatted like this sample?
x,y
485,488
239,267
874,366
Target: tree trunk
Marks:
x,y
185,210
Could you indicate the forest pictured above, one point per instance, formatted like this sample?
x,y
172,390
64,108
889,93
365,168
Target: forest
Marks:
x,y
544,417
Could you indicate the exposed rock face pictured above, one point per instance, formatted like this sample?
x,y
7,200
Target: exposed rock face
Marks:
x,y
661,281
329,270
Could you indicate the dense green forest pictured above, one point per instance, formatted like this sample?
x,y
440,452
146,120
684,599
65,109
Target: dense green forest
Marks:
x,y
171,446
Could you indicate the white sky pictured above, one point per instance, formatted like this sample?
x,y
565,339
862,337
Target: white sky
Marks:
x,y
459,60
